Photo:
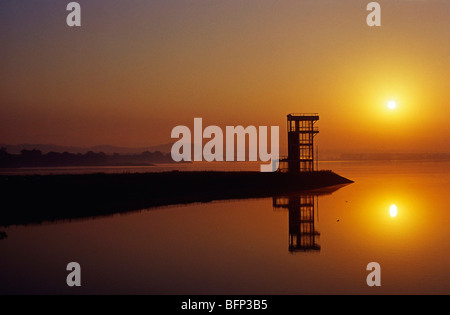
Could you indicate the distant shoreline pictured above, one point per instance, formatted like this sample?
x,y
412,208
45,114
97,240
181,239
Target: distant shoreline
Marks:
x,y
35,158
82,165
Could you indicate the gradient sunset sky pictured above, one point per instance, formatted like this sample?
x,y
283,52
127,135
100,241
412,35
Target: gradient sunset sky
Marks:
x,y
135,69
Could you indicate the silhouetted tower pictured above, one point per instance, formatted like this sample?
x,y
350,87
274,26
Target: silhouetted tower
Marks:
x,y
301,133
302,233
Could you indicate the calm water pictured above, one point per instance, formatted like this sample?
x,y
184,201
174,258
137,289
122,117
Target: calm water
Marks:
x,y
255,246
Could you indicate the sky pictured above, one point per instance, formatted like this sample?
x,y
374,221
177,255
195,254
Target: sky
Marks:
x,y
135,69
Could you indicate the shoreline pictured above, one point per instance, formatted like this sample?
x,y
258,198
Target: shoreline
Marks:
x,y
29,199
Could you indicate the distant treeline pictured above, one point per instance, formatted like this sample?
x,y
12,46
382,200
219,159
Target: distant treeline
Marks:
x,y
35,158
396,156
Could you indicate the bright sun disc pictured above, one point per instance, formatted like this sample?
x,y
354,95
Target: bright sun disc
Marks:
x,y
391,105
393,211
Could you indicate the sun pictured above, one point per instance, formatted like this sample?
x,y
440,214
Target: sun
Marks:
x,y
392,105
393,211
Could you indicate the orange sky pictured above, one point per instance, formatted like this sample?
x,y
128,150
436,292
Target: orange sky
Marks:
x,y
136,69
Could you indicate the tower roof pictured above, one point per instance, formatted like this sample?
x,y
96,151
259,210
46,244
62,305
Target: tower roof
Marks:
x,y
303,116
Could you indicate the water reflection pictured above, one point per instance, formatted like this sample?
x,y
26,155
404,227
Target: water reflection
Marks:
x,y
303,235
242,246
3,235
303,210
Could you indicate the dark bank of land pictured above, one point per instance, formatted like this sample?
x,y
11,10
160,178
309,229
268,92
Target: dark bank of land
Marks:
x,y
40,198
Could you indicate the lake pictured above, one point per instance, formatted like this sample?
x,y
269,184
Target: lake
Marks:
x,y
396,214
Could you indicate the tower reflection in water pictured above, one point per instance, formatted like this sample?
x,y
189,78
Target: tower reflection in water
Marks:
x,y
303,235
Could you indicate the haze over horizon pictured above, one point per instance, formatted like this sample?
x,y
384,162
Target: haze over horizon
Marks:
x,y
136,69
